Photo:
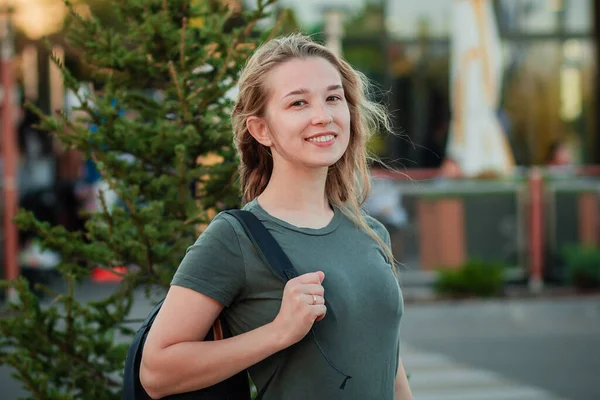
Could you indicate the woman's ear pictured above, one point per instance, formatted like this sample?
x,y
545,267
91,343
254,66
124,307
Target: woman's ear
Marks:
x,y
258,128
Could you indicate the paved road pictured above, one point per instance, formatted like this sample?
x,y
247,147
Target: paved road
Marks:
x,y
495,350
549,344
438,377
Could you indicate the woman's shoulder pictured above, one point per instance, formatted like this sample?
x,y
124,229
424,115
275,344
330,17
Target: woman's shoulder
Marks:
x,y
373,222
220,225
223,231
228,228
377,226
225,220
214,265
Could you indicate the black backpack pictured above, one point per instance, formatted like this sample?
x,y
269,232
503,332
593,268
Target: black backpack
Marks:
x,y
238,386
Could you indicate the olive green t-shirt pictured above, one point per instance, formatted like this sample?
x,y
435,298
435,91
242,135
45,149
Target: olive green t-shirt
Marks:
x,y
358,338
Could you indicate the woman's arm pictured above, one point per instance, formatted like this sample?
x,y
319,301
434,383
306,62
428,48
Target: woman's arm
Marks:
x,y
401,386
176,360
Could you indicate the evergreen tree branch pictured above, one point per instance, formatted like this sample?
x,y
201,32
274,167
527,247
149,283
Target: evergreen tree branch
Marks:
x,y
196,92
182,42
227,62
165,8
132,209
28,381
69,314
182,181
84,106
77,134
242,35
280,18
93,370
215,84
40,356
40,353
148,18
41,349
184,106
106,212
237,40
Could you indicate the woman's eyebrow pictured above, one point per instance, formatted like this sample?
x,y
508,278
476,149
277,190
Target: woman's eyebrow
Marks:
x,y
304,90
295,92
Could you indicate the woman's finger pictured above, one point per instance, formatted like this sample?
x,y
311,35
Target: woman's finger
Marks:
x,y
313,289
320,311
314,299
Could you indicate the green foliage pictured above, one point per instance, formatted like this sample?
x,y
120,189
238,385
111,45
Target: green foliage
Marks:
x,y
164,76
583,266
368,59
475,278
376,145
68,345
366,22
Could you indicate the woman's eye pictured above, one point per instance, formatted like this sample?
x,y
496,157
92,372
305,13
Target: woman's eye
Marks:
x,y
334,98
298,103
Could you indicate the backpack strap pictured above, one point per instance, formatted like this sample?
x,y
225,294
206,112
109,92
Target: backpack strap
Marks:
x,y
275,258
269,249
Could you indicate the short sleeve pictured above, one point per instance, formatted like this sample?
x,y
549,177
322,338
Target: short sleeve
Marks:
x,y
380,230
214,264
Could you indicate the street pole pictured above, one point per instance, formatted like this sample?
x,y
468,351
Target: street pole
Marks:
x,y
334,29
596,135
9,149
536,231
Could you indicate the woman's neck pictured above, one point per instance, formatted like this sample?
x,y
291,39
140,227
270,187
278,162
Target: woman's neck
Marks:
x,y
297,195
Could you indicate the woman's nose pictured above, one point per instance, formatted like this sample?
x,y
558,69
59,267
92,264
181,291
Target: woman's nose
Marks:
x,y
322,116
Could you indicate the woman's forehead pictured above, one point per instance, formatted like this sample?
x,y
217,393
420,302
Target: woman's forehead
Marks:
x,y
302,75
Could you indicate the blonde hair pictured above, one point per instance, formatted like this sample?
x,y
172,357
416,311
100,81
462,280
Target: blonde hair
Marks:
x,y
348,181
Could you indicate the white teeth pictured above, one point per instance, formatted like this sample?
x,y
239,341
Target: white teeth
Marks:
x,y
321,138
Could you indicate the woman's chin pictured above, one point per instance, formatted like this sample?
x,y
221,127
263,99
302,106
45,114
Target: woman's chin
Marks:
x,y
323,163
324,160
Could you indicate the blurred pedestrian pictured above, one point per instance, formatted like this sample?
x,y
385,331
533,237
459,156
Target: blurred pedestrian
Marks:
x,y
558,155
301,123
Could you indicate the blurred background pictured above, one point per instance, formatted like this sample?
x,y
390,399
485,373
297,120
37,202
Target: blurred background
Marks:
x,y
493,189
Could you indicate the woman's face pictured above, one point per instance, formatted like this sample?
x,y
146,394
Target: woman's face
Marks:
x,y
307,118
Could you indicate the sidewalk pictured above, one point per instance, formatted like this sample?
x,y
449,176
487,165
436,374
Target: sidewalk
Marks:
x,y
437,377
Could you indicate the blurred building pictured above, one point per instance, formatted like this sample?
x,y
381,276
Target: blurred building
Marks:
x,y
549,85
549,53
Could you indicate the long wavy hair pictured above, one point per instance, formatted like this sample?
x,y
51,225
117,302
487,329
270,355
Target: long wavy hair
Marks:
x,y
348,181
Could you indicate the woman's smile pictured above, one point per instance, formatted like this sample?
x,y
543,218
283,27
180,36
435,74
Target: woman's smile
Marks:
x,y
322,140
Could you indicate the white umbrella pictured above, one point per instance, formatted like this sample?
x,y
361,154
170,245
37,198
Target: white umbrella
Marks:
x,y
477,142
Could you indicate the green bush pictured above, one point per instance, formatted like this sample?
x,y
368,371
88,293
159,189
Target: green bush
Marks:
x,y
474,278
583,266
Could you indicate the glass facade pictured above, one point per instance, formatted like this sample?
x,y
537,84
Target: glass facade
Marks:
x,y
578,16
409,19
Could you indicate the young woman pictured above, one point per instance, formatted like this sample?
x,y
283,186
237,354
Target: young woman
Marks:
x,y
301,124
